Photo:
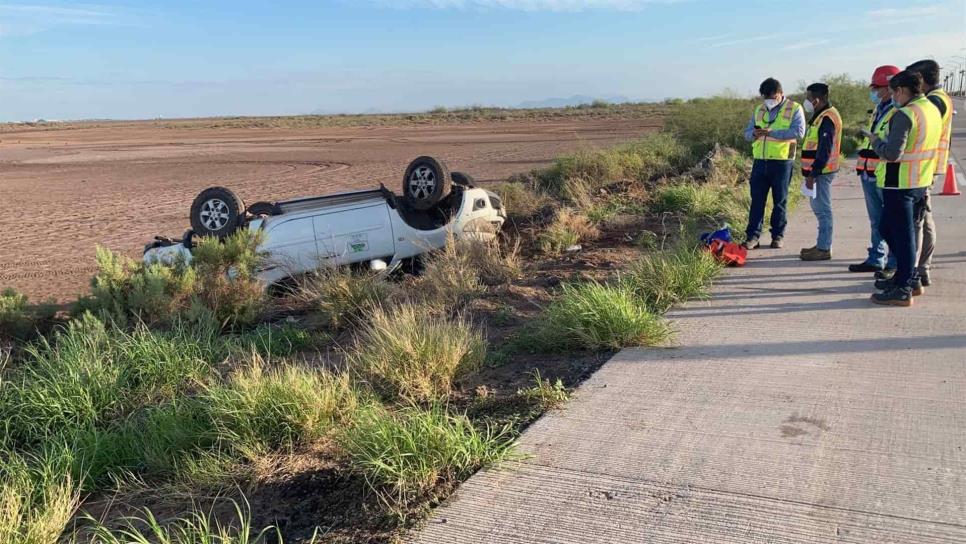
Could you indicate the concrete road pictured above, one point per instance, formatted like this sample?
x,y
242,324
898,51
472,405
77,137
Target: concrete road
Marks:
x,y
794,412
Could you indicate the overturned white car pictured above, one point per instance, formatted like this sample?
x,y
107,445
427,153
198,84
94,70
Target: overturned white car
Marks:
x,y
375,228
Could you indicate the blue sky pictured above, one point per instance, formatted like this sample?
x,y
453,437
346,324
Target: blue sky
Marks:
x,y
178,58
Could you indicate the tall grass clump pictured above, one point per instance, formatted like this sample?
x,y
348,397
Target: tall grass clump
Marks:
x,y
707,203
218,285
19,319
664,279
38,498
340,296
597,316
405,455
259,410
414,354
450,277
197,528
521,200
568,228
494,264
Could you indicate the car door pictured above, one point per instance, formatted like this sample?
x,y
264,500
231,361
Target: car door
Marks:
x,y
355,235
291,247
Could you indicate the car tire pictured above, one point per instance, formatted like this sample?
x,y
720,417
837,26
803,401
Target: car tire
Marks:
x,y
264,208
216,211
426,182
460,178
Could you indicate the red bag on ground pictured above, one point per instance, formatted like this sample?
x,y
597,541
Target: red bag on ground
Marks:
x,y
729,253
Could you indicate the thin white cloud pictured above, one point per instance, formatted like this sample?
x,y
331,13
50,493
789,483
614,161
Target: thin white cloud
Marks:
x,y
804,45
27,19
527,5
908,13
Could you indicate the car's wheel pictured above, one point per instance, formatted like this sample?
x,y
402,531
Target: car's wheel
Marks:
x,y
465,180
426,182
263,208
216,211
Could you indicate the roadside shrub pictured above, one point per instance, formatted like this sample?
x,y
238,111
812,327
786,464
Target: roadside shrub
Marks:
x,y
411,353
18,318
260,410
341,296
701,123
545,394
568,228
571,176
597,316
219,285
664,279
406,455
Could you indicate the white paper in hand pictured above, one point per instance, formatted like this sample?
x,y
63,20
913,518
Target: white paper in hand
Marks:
x,y
810,193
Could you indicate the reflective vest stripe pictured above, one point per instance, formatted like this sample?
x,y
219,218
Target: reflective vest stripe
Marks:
x,y
868,160
942,156
768,148
917,164
810,145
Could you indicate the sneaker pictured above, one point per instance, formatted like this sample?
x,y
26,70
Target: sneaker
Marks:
x,y
885,274
777,243
924,278
751,244
864,267
893,297
816,254
885,285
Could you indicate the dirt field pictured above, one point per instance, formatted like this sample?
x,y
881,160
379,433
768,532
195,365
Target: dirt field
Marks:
x,y
65,191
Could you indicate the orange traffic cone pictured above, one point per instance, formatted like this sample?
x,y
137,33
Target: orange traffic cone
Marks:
x,y
949,188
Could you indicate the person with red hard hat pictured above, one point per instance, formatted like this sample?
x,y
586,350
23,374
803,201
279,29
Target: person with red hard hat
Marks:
x,y
879,257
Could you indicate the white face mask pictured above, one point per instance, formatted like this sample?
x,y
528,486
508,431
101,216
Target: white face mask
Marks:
x,y
771,103
809,107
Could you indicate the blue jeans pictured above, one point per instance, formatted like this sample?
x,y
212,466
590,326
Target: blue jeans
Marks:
x,y
898,227
822,207
873,205
769,176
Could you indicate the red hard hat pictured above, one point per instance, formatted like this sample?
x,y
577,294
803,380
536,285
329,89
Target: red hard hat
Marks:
x,y
882,75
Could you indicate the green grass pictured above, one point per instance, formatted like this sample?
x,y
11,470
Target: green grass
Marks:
x,y
406,454
413,354
197,528
665,279
261,410
568,228
596,316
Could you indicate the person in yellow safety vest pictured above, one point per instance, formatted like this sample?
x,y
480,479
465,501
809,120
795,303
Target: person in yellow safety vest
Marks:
x,y
925,225
906,145
821,152
775,127
865,165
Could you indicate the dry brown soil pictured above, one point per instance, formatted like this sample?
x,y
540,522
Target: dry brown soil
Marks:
x,y
65,191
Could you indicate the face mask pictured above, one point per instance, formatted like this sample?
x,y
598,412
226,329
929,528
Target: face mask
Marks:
x,y
874,97
770,103
809,107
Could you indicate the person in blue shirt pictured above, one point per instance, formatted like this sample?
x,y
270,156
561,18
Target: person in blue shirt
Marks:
x,y
774,130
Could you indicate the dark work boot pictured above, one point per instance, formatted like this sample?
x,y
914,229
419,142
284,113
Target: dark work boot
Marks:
x,y
886,285
924,278
864,267
893,297
885,274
